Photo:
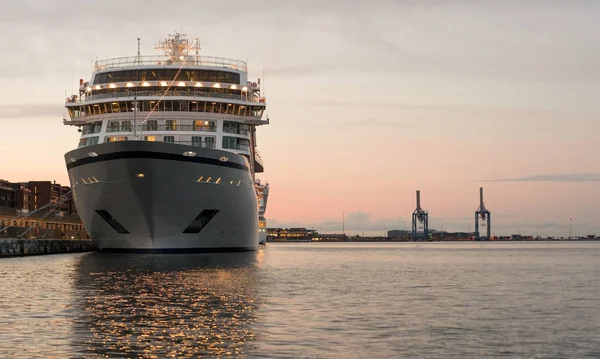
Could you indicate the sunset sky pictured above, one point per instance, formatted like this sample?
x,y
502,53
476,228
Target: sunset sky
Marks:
x,y
368,102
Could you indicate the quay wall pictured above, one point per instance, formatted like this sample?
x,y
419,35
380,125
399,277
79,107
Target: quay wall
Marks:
x,y
30,247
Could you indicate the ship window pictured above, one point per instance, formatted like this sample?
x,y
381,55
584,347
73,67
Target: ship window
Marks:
x,y
96,127
209,142
113,126
235,143
150,138
152,125
125,125
169,139
92,141
200,125
82,142
168,105
123,106
171,125
197,141
229,142
176,105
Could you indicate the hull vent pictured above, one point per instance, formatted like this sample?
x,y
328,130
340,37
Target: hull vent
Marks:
x,y
201,221
112,221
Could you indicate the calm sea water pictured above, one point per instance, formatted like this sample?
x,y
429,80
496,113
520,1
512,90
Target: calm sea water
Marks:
x,y
431,300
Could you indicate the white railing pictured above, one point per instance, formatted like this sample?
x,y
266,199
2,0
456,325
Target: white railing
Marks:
x,y
163,60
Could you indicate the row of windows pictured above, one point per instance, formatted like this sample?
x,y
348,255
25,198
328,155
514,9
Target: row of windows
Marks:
x,y
233,143
168,125
160,91
167,75
166,105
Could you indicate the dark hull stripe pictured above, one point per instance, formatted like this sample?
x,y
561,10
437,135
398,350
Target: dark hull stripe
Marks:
x,y
153,155
177,250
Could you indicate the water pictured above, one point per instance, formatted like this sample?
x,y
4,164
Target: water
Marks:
x,y
433,300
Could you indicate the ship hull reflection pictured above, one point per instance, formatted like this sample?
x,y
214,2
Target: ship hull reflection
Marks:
x,y
166,305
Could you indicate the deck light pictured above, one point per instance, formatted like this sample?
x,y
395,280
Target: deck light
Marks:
x,y
217,85
181,83
233,87
112,86
140,175
198,84
189,154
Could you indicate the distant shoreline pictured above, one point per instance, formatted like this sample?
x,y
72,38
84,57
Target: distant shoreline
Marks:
x,y
365,240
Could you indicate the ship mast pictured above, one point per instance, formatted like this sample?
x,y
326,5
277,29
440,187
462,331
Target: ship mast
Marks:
x,y
138,60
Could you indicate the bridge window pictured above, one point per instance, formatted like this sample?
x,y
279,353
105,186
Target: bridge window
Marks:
x,y
167,75
169,139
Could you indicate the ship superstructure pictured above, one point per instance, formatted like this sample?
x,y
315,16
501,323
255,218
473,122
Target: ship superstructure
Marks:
x,y
167,155
262,192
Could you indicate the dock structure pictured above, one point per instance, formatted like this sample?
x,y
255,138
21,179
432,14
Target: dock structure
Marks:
x,y
16,247
482,219
420,216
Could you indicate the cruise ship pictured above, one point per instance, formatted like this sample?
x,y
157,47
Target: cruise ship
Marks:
x,y
167,157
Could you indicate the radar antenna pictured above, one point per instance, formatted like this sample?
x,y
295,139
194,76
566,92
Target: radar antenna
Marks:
x,y
178,49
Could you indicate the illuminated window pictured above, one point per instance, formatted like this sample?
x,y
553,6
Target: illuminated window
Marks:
x,y
171,125
150,138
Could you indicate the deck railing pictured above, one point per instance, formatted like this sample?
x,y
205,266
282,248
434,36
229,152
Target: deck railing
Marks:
x,y
190,60
149,93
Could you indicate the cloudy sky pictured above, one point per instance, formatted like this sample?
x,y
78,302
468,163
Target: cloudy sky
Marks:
x,y
368,101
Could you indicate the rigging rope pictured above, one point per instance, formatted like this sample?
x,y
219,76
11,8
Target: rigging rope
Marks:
x,y
58,203
62,199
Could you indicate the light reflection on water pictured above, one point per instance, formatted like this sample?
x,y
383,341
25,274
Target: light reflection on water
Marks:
x,y
165,305
341,300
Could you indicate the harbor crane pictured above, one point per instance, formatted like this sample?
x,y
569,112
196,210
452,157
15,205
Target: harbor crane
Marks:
x,y
420,216
485,216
